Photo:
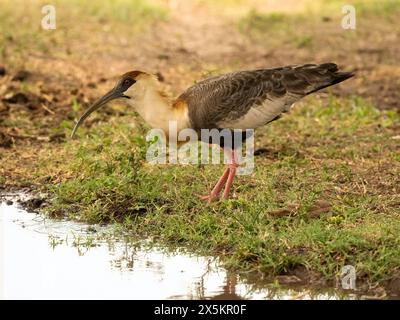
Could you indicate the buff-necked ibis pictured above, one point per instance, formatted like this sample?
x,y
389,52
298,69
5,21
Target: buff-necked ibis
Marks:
x,y
238,100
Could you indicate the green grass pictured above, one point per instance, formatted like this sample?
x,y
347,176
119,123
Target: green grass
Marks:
x,y
283,23
277,29
255,21
74,20
387,8
125,11
340,151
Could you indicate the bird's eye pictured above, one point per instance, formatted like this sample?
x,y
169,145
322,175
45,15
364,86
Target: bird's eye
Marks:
x,y
126,83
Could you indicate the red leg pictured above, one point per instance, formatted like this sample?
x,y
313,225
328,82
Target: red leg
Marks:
x,y
232,172
229,182
217,188
226,179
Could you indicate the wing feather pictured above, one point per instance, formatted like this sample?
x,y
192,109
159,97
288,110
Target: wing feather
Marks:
x,y
248,99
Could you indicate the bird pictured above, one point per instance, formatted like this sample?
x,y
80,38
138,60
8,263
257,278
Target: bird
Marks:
x,y
238,100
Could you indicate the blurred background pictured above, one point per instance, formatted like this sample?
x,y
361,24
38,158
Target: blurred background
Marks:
x,y
184,41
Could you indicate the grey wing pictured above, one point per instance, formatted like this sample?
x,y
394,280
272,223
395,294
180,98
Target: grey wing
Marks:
x,y
248,99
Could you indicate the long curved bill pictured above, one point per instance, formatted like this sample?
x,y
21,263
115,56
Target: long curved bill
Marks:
x,y
111,95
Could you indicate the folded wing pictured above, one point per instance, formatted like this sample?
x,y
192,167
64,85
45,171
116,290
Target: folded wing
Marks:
x,y
249,99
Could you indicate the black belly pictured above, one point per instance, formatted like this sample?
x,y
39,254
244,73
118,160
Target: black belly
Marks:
x,y
227,138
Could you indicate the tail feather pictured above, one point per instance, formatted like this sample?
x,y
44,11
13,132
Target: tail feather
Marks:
x,y
338,77
312,77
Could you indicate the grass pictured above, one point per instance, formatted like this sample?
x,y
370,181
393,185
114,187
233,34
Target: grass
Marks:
x,y
256,21
388,8
284,23
342,153
125,11
73,20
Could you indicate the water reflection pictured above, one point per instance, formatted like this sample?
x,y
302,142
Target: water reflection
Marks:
x,y
50,259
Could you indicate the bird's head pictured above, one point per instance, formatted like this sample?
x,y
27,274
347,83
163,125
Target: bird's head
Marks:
x,y
129,86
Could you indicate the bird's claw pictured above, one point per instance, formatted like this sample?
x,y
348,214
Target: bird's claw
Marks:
x,y
208,198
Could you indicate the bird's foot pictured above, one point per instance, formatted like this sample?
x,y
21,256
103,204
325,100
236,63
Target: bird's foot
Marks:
x,y
208,198
217,188
225,180
229,181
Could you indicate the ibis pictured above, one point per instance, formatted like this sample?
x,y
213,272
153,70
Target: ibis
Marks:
x,y
238,100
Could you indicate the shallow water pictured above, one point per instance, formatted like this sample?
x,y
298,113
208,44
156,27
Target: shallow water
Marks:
x,y
52,259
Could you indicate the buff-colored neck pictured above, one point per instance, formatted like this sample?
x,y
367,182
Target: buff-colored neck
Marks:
x,y
154,106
